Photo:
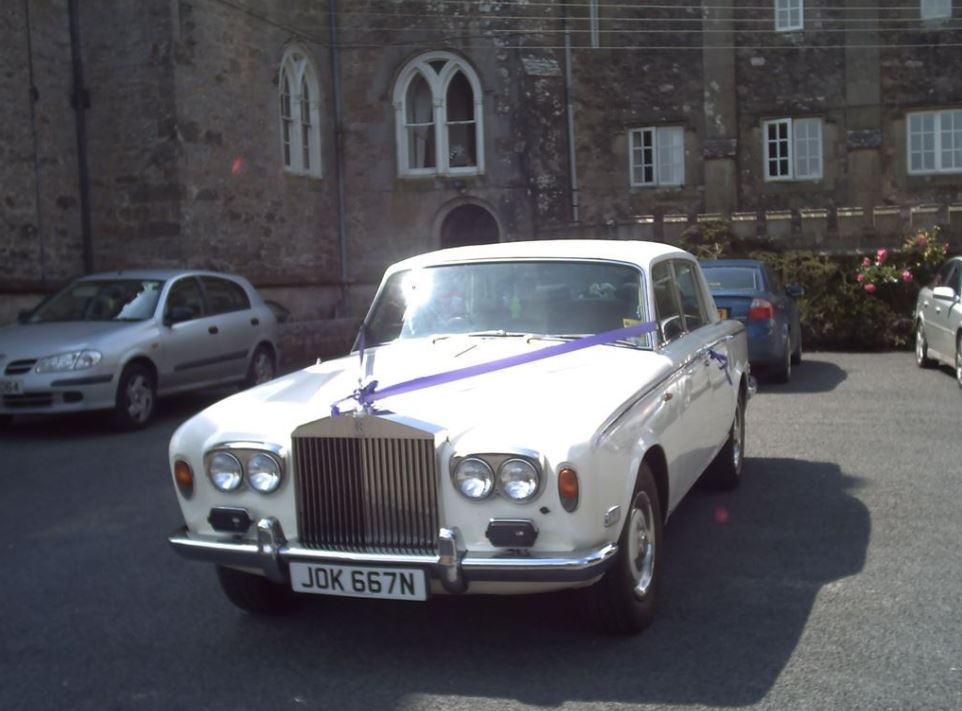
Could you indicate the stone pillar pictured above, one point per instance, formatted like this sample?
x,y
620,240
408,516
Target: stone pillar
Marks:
x,y
720,145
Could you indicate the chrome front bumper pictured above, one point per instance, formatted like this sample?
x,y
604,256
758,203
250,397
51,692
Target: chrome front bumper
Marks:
x,y
453,566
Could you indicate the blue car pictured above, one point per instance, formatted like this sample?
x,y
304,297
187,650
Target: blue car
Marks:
x,y
747,290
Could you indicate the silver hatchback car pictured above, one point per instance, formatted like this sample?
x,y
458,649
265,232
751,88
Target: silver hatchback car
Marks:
x,y
119,340
938,319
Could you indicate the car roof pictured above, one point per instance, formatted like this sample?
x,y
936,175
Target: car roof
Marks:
x,y
615,250
160,274
731,263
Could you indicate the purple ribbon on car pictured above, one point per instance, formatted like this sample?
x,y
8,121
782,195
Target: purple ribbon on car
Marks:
x,y
366,395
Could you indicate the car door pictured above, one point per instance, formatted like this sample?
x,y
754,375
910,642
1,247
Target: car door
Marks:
x,y
684,442
238,326
938,313
189,339
711,403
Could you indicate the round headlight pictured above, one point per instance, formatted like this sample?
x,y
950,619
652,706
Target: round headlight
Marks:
x,y
263,473
225,471
518,479
474,478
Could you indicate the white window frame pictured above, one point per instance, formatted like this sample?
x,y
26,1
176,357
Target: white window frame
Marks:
x,y
299,70
635,139
935,9
937,129
792,175
438,83
594,23
788,8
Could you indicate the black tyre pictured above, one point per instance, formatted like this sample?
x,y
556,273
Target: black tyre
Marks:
x,y
922,359
262,367
725,471
136,397
623,601
255,593
782,372
958,360
797,353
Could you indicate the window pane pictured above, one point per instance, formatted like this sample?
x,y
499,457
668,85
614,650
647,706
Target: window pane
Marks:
x,y
419,104
460,99
286,118
808,148
643,156
462,145
691,296
305,125
951,140
224,296
671,155
936,9
421,147
777,149
671,324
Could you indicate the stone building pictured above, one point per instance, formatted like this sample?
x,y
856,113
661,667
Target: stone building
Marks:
x,y
309,143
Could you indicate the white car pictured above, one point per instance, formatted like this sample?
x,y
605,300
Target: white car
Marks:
x,y
118,340
938,320
516,418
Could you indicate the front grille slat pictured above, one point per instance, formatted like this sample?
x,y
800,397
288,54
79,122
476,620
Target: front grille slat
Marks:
x,y
366,493
19,367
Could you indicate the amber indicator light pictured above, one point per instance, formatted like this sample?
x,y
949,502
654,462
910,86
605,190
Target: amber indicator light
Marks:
x,y
568,488
184,477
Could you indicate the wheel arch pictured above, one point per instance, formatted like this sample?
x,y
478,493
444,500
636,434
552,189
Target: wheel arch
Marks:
x,y
140,359
658,464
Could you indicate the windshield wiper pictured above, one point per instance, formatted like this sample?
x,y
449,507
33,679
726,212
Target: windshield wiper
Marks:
x,y
498,333
578,336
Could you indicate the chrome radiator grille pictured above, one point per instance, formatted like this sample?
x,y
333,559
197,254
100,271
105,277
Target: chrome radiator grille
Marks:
x,y
367,493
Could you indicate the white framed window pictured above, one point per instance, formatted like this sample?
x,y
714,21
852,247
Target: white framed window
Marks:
x,y
594,23
792,149
300,115
438,117
656,156
935,9
789,15
935,142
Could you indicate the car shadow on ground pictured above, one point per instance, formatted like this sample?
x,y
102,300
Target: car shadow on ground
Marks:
x,y
810,376
170,412
741,573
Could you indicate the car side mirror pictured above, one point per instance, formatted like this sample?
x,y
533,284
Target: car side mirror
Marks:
x,y
944,293
178,314
795,291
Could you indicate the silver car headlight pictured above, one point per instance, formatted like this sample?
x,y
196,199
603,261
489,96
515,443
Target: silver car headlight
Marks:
x,y
474,478
225,471
76,360
263,473
519,480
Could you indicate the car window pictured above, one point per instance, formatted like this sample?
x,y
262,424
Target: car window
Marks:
x,y
671,323
746,278
955,278
944,274
101,300
224,295
185,294
692,300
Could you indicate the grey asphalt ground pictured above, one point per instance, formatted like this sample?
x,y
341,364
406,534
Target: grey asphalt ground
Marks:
x,y
832,579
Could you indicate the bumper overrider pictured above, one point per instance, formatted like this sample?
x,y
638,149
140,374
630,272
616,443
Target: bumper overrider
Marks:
x,y
454,567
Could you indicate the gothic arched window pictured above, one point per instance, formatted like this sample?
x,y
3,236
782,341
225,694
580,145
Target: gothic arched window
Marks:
x,y
299,95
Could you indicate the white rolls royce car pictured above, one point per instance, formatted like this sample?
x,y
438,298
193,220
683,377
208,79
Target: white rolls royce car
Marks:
x,y
515,418
938,320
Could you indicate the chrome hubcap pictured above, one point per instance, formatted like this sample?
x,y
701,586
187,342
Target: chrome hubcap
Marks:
x,y
263,369
140,399
919,345
642,544
958,363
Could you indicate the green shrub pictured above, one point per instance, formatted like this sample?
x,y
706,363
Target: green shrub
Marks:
x,y
850,302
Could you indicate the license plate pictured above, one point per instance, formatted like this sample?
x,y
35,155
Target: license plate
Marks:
x,y
11,387
723,313
357,581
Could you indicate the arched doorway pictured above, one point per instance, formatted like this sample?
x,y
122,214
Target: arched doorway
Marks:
x,y
469,224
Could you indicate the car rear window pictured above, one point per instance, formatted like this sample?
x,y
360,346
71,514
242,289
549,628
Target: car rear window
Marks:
x,y
732,278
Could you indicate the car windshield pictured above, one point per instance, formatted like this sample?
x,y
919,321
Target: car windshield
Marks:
x,y
540,298
101,300
732,278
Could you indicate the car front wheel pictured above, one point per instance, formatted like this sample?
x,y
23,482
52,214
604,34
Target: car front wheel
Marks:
x,y
725,471
261,369
623,601
255,593
136,397
922,348
958,360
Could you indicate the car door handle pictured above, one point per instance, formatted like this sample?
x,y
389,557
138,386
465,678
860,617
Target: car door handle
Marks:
x,y
213,330
255,322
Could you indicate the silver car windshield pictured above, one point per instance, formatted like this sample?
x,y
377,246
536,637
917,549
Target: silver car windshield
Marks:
x,y
101,300
540,298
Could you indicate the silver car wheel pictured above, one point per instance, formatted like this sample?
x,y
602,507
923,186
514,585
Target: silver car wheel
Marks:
x,y
642,544
958,361
738,436
139,398
263,367
919,345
